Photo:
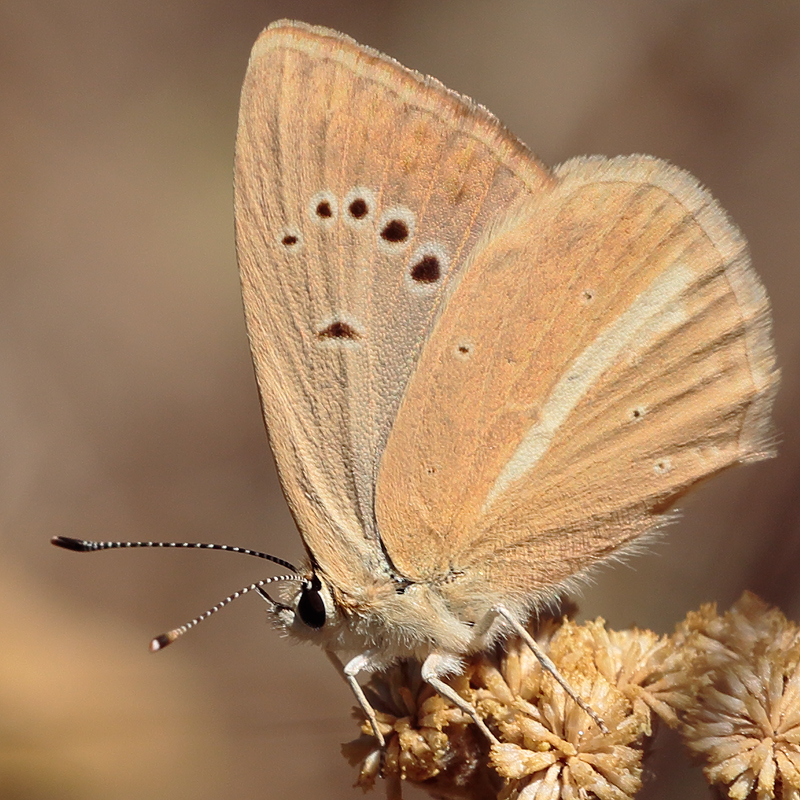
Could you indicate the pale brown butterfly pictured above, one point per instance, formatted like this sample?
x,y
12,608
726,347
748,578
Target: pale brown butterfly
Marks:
x,y
481,377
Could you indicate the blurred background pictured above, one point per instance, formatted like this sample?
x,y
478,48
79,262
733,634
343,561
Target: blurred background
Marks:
x,y
128,408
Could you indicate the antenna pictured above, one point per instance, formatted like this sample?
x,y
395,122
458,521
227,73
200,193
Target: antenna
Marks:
x,y
160,642
87,546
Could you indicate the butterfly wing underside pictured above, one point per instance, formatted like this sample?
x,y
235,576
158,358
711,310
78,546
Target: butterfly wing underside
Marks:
x,y
606,348
360,187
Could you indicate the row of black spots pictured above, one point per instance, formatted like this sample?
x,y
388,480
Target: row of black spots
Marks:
x,y
395,226
358,205
359,208
395,231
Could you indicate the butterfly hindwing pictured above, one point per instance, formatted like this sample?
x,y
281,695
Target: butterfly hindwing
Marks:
x,y
606,348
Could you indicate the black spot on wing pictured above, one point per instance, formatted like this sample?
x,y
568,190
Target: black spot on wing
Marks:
x,y
426,270
395,231
338,330
358,208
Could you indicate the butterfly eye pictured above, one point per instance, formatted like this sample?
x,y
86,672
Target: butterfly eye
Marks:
x,y
311,606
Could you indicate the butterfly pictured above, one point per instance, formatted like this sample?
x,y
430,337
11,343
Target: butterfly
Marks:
x,y
481,377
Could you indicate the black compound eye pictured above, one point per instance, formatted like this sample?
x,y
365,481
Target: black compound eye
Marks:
x,y
311,607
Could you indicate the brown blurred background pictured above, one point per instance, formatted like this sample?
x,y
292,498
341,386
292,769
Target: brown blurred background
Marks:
x,y
127,402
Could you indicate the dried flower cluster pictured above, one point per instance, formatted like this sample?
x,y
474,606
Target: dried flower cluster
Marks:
x,y
730,683
428,741
549,748
740,698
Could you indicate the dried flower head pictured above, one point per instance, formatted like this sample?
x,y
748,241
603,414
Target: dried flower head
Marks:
x,y
549,748
429,741
740,696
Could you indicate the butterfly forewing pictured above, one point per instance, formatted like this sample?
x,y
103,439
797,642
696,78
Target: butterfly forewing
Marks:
x,y
360,189
605,349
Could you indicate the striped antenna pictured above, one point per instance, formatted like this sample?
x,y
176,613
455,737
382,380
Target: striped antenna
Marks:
x,y
86,546
160,642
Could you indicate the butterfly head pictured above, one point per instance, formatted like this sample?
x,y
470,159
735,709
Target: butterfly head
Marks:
x,y
310,611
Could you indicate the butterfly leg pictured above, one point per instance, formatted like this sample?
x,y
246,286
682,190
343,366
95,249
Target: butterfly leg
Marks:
x,y
365,662
547,664
434,668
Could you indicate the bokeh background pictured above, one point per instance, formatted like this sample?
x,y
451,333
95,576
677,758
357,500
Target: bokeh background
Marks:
x,y
127,402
